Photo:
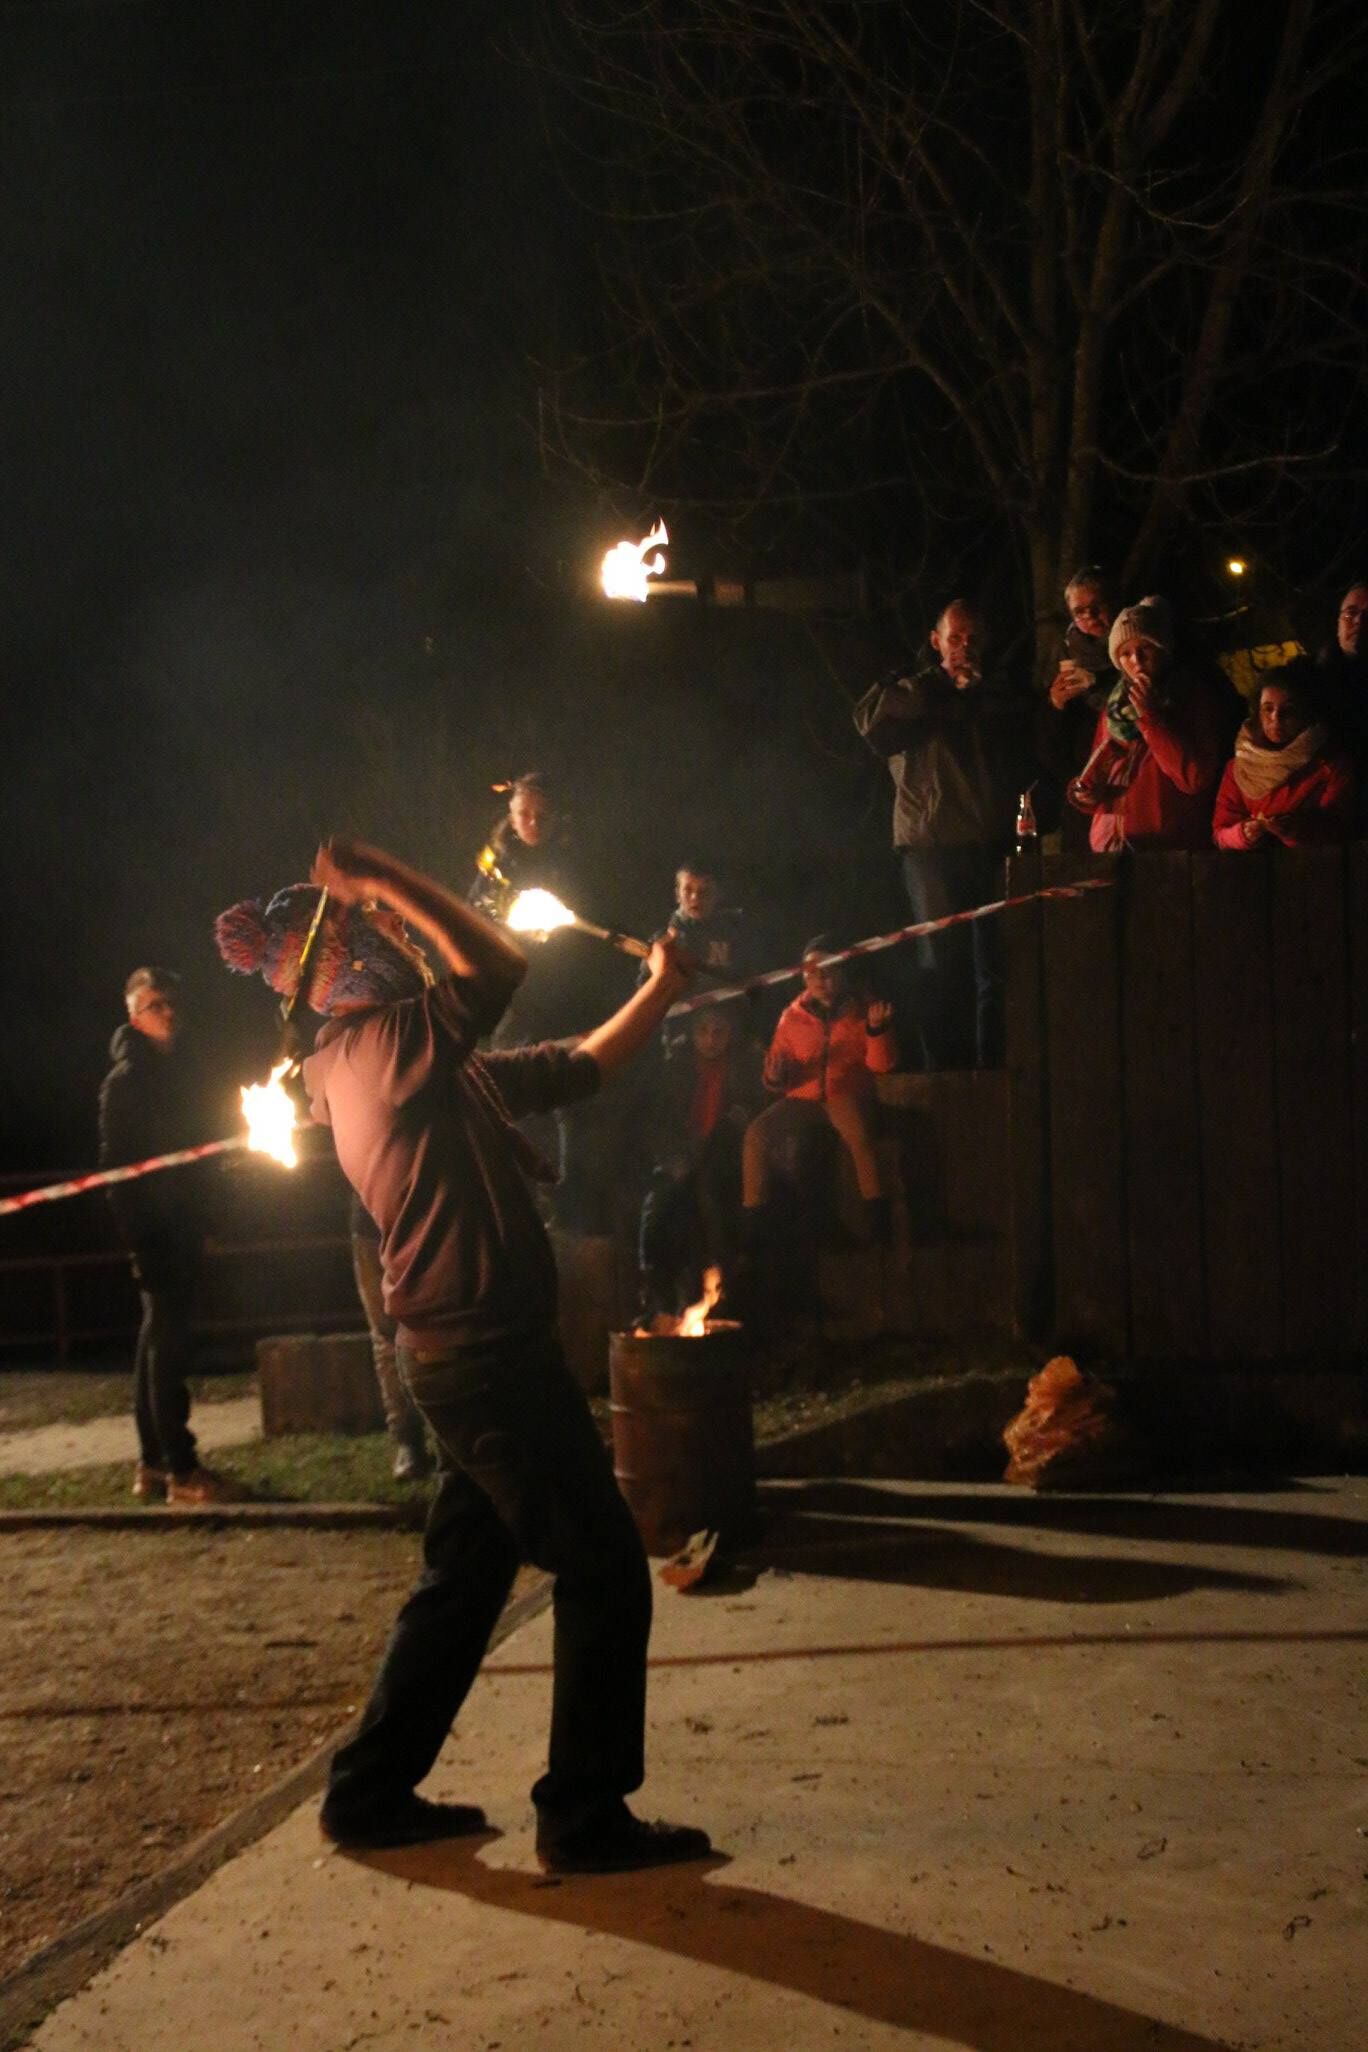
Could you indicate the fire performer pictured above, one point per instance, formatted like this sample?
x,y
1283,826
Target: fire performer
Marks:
x,y
150,1103
423,1127
568,985
526,849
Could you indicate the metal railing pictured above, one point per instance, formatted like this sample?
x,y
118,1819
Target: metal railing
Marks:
x,y
65,1328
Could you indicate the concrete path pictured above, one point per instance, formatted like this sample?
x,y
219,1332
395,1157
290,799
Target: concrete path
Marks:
x,y
985,1771
96,1441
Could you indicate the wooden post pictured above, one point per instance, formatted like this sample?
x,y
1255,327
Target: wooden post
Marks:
x,y
1028,1114
1358,1063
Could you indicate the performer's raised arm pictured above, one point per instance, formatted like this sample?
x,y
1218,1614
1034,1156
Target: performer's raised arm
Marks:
x,y
614,1043
468,943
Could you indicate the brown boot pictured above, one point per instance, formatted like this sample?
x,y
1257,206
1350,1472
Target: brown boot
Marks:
x,y
200,1487
149,1483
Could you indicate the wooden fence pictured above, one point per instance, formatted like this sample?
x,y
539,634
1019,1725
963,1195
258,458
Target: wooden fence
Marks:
x,y
1188,1105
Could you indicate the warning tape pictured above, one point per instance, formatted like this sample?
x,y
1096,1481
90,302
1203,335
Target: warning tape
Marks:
x,y
885,940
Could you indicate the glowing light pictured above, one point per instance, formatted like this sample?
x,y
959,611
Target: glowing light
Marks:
x,y
538,913
693,1323
626,572
1236,566
270,1117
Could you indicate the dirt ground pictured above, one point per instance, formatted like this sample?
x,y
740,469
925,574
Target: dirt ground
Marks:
x,y
151,1683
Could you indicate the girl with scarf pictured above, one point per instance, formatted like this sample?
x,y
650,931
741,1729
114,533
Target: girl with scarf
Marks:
x,y
1286,782
1158,748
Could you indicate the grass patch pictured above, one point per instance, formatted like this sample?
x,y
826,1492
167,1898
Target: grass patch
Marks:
x,y
307,1467
30,1397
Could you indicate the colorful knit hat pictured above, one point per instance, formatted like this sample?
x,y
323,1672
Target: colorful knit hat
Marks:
x,y
1150,620
352,961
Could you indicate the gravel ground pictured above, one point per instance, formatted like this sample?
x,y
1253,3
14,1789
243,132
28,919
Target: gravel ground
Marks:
x,y
154,1682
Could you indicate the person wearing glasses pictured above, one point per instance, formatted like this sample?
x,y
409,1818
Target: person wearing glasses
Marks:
x,y
1077,693
150,1103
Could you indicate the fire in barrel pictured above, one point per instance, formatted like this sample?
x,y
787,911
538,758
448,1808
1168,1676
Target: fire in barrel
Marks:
x,y
683,1441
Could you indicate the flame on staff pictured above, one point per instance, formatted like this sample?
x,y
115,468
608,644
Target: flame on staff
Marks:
x,y
538,913
693,1322
626,572
270,1117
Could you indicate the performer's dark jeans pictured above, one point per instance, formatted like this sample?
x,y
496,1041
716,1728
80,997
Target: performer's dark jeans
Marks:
x,y
960,971
524,1476
166,1278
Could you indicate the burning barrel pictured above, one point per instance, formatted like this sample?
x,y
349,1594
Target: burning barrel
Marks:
x,y
683,1442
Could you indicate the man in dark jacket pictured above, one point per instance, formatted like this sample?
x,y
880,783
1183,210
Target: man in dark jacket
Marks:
x,y
957,748
150,1104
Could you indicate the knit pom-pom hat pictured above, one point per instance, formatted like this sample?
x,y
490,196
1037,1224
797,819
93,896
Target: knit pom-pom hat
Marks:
x,y
1150,620
351,961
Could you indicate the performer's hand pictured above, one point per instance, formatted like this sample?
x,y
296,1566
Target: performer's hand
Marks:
x,y
342,869
671,966
879,1016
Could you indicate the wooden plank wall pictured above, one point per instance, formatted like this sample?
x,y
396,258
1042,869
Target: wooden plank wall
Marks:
x,y
1233,1015
1163,1171
1311,1081
1191,1047
1086,1136
1357,886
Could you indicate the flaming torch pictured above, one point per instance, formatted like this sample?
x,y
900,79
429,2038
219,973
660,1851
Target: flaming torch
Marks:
x,y
270,1116
628,573
540,913
268,1107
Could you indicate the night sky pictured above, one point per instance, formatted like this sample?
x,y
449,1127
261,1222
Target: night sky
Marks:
x,y
280,556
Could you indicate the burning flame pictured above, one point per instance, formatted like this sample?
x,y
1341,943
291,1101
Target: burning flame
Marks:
x,y
625,569
538,913
693,1323
270,1117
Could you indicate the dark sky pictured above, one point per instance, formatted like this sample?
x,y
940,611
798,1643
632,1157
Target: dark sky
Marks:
x,y
278,553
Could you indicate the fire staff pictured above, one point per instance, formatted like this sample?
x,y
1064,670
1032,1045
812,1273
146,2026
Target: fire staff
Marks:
x,y
423,1127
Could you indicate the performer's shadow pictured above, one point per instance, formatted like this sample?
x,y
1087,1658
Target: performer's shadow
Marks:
x,y
969,2002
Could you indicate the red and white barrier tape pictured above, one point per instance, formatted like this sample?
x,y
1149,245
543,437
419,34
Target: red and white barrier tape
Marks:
x,y
98,1179
886,940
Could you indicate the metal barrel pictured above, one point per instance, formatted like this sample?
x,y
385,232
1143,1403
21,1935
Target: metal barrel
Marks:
x,y
683,1441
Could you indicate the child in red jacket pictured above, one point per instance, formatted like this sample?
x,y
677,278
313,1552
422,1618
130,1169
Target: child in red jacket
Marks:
x,y
827,1049
1285,782
1159,744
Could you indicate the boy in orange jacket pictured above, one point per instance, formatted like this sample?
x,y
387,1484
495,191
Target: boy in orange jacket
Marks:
x,y
826,1051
